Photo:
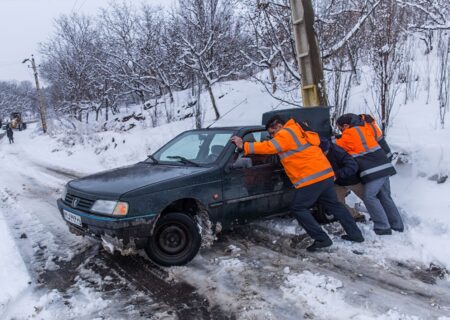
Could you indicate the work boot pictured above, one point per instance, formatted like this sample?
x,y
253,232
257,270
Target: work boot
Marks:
x,y
357,216
348,238
382,232
319,244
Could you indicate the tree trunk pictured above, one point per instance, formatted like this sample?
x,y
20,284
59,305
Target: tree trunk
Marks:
x,y
213,101
106,109
198,107
273,79
384,93
170,93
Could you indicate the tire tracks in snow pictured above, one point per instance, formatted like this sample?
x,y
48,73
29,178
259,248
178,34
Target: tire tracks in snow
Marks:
x,y
361,273
47,238
253,292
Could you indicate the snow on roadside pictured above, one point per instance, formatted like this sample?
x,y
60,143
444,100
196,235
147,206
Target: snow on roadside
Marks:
x,y
14,277
81,301
96,151
324,296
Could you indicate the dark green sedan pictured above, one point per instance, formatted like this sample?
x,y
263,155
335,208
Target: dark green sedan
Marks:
x,y
190,189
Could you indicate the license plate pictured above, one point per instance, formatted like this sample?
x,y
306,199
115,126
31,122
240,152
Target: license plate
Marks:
x,y
72,218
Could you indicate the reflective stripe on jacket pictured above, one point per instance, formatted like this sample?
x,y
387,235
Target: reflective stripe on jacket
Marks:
x,y
371,124
357,141
373,163
299,151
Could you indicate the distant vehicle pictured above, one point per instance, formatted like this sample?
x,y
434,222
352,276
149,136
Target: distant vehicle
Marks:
x,y
17,121
197,181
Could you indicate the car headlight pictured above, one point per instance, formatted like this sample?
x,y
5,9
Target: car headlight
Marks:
x,y
110,207
64,193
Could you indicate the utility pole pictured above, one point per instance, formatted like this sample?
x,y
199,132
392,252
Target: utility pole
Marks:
x,y
308,54
42,109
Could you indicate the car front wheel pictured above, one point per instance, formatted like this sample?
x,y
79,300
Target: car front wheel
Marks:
x,y
175,240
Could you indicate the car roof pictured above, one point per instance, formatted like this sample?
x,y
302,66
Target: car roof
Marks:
x,y
236,128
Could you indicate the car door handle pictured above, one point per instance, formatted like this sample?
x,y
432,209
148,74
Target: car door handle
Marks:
x,y
216,204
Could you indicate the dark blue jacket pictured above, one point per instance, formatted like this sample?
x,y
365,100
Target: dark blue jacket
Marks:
x,y
9,132
344,166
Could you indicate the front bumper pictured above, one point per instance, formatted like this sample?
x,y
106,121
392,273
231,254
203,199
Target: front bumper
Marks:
x,y
126,229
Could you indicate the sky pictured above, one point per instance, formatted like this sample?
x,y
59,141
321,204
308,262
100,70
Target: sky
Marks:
x,y
26,23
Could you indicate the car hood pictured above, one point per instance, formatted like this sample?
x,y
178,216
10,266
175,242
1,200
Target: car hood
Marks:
x,y
116,182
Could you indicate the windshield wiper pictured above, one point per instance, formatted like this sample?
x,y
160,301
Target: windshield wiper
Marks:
x,y
183,160
151,157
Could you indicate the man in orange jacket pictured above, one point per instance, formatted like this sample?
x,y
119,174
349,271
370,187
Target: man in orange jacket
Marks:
x,y
310,173
375,169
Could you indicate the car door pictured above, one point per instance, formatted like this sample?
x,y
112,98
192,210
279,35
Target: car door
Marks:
x,y
256,189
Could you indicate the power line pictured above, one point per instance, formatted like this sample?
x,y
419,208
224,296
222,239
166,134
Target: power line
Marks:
x,y
79,8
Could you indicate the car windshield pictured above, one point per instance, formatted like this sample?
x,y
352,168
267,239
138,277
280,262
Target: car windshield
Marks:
x,y
194,148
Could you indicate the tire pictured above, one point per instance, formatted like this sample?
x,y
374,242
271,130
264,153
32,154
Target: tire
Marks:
x,y
175,240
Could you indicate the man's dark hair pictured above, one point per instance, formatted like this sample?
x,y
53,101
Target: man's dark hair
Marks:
x,y
276,119
349,118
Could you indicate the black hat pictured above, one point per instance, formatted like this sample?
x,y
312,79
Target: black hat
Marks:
x,y
349,118
274,120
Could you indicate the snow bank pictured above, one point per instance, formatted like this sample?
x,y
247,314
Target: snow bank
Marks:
x,y
14,276
324,297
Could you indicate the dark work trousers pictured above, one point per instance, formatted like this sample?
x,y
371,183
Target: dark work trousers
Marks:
x,y
321,192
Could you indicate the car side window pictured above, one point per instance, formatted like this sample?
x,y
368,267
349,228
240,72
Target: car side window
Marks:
x,y
217,145
258,159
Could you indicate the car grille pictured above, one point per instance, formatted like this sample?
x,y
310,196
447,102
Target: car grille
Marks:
x,y
77,202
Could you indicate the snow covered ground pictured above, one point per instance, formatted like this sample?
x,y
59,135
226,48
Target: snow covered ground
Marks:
x,y
394,277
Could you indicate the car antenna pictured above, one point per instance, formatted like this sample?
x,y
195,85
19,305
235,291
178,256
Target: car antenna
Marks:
x,y
245,100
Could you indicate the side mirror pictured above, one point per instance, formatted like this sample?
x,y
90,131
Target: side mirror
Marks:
x,y
242,163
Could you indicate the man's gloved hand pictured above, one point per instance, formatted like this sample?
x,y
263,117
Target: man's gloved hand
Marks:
x,y
335,136
238,142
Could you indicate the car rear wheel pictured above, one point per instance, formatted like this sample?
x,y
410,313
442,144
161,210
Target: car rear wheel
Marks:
x,y
175,240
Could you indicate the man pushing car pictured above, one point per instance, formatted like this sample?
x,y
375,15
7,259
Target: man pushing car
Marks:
x,y
310,173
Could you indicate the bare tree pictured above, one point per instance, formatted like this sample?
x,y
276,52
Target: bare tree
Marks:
x,y
69,64
443,80
385,57
210,37
17,97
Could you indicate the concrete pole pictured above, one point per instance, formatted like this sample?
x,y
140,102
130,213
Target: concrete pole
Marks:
x,y
42,109
308,54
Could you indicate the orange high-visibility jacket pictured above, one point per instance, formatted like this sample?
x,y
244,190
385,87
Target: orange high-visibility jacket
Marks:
x,y
371,124
300,155
358,141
